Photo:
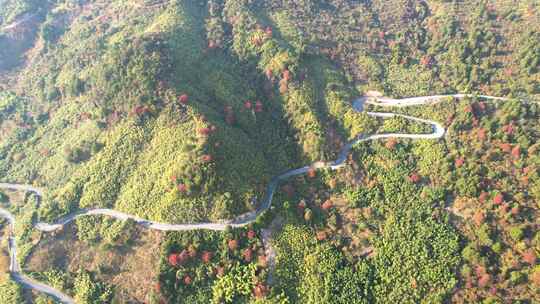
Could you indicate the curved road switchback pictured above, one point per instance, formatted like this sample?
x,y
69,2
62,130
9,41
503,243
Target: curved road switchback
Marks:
x,y
438,131
421,100
15,268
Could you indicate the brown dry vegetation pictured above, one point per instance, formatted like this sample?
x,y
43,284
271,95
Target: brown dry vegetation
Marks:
x,y
130,269
351,227
4,261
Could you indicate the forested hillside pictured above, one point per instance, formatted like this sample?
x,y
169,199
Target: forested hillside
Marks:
x,y
184,112
144,114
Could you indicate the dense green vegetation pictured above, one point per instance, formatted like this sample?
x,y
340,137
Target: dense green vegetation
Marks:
x,y
94,141
414,202
317,273
10,292
182,111
213,268
492,173
410,245
407,48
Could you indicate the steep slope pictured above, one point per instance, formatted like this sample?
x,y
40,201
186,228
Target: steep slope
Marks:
x,y
182,111
129,106
411,47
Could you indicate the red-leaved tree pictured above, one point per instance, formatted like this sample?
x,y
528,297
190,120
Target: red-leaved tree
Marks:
x,y
206,158
529,256
286,75
327,204
516,152
251,234
390,143
247,254
415,177
233,244
484,280
321,235
206,257
258,106
498,199
173,259
184,98
260,291
204,131
182,188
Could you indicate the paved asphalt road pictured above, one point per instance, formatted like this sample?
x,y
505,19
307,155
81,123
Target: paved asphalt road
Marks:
x,y
244,219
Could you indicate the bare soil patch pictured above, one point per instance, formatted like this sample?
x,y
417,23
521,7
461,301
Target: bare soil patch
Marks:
x,y
131,269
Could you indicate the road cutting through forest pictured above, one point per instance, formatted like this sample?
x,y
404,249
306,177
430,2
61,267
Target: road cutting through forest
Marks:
x,y
438,131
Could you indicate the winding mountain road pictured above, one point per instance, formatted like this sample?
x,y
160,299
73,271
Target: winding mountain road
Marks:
x,y
421,100
19,21
14,266
244,219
